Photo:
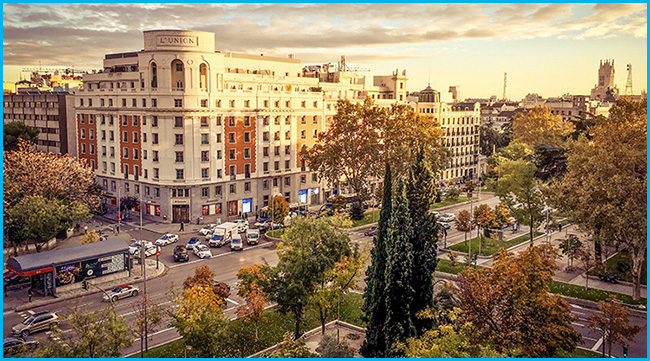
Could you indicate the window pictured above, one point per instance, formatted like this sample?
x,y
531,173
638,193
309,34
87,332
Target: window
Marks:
x,y
232,155
287,104
110,102
144,137
205,157
315,104
314,177
83,133
125,137
233,188
154,103
219,173
156,192
144,120
287,164
112,152
302,134
205,192
287,120
247,121
277,150
92,134
247,103
219,138
247,153
205,173
232,103
204,122
265,121
219,120
134,102
204,103
276,165
231,121
247,137
315,120
231,138
218,154
217,190
81,102
218,103
147,190
113,169
266,151
125,121
247,187
125,153
287,149
315,133
276,120
276,136
178,122
178,139
144,154
135,154
154,121
266,104
135,137
287,135
265,136
204,139
104,150
180,174
287,181
233,172
303,104
92,150
277,103
265,166
178,103
275,182
154,138
111,135
144,102
101,102
124,102
179,157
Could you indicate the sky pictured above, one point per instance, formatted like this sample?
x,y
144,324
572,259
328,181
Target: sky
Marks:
x,y
548,49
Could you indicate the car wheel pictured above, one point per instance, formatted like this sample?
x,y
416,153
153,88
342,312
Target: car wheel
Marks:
x,y
135,293
114,298
53,326
25,333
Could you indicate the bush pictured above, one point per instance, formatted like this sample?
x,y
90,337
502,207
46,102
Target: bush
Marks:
x,y
329,347
452,194
356,212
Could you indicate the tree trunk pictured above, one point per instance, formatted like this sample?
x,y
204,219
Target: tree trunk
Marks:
x,y
532,229
465,238
256,336
322,320
297,326
587,279
637,266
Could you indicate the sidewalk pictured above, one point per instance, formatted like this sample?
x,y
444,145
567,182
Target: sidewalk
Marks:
x,y
573,277
17,299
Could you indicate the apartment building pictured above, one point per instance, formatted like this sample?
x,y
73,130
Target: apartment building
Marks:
x,y
197,132
51,112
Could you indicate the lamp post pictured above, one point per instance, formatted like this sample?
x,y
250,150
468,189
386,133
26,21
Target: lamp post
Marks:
x,y
119,211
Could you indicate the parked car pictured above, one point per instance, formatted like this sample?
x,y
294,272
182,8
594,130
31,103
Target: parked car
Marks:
x,y
207,229
202,251
181,254
252,236
447,217
134,247
149,249
194,241
242,225
121,292
37,322
371,231
237,243
14,345
435,214
166,239
218,239
444,225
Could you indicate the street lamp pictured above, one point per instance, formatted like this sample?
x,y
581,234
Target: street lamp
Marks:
x,y
119,211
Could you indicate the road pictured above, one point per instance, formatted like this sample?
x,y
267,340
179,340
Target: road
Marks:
x,y
226,264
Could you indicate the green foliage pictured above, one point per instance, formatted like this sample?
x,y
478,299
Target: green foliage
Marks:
x,y
550,161
490,246
330,347
613,323
280,209
452,194
129,203
292,349
492,139
357,212
570,247
13,131
94,334
90,237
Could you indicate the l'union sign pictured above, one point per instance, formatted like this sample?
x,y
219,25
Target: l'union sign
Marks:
x,y
172,40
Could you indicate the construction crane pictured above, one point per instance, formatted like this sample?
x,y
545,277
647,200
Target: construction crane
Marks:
x,y
345,67
505,81
628,86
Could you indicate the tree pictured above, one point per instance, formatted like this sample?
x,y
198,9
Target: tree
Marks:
x,y
280,209
453,256
148,317
517,188
253,309
491,139
311,249
349,151
90,237
613,324
95,334
204,278
399,293
452,194
420,192
587,260
374,307
606,180
484,219
292,349
539,126
550,161
570,247
510,304
464,223
13,131
501,215
330,347
200,320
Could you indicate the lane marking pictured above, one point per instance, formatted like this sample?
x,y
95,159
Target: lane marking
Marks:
x,y
597,345
155,333
31,312
233,301
136,311
578,324
7,312
215,256
589,338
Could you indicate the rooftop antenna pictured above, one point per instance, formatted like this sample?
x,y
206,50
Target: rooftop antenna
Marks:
x,y
429,84
628,86
505,81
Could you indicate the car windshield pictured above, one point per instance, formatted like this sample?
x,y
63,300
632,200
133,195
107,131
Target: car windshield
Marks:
x,y
117,289
164,237
202,247
218,237
28,321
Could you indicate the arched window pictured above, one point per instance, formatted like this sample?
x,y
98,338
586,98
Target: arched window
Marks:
x,y
178,75
154,75
203,76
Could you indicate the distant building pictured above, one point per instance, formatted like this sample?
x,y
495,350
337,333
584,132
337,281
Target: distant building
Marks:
x,y
52,113
605,83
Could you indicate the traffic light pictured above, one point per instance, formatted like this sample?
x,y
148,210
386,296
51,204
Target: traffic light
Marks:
x,y
84,284
624,352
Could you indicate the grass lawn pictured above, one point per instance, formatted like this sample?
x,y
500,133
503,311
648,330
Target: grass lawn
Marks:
x,y
444,266
446,202
241,339
276,234
590,294
621,266
368,218
490,246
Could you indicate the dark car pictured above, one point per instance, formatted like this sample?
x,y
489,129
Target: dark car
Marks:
x,y
181,254
38,322
14,345
371,232
444,225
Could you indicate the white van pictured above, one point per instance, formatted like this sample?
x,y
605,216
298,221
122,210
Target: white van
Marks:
x,y
237,242
222,234
253,236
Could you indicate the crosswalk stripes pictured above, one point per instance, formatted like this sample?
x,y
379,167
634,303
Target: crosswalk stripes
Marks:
x,y
22,314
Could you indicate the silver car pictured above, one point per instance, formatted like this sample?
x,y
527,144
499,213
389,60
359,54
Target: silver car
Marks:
x,y
38,322
121,292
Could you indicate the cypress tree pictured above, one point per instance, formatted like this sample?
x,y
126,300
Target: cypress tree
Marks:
x,y
420,191
398,291
374,306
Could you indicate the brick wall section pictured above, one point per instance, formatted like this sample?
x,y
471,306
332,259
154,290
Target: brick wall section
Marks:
x,y
84,125
131,144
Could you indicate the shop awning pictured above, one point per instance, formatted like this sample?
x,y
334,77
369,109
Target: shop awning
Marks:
x,y
36,263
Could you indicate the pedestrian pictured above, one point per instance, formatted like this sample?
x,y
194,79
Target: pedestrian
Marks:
x,y
30,294
182,229
559,226
85,229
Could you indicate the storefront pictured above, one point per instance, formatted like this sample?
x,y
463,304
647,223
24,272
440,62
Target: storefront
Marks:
x,y
62,267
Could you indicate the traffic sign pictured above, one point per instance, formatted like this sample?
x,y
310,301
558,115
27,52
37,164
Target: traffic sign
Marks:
x,y
157,254
119,218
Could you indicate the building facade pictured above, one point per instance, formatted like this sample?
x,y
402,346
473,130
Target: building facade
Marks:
x,y
197,132
52,113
